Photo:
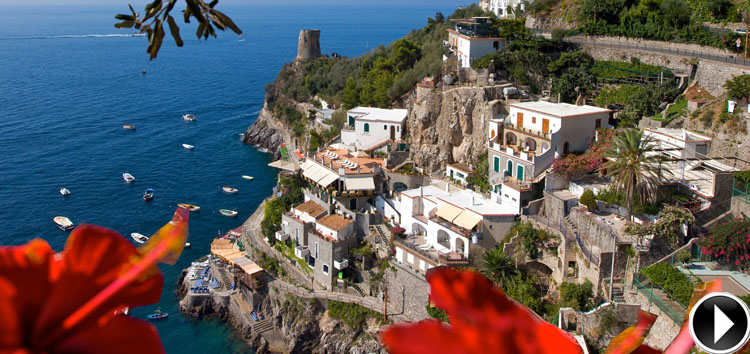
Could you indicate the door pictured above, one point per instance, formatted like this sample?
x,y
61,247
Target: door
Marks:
x,y
519,120
545,125
393,132
519,175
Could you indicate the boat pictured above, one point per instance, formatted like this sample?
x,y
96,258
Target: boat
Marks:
x,y
189,117
140,238
189,206
63,223
253,316
188,146
229,213
128,127
187,244
64,191
128,177
157,315
148,195
229,190
249,178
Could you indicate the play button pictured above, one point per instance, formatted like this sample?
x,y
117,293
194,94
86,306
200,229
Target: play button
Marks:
x,y
720,323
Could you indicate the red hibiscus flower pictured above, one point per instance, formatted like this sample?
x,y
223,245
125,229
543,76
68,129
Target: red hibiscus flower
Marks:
x,y
483,320
67,302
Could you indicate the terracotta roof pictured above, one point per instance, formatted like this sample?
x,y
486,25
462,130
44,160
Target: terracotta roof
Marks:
x,y
310,207
335,222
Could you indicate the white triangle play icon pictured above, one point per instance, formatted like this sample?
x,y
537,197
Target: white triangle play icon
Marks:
x,y
722,324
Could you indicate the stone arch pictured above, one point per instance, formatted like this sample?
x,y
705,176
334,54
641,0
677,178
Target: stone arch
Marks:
x,y
418,229
444,239
461,246
510,138
545,147
530,143
541,273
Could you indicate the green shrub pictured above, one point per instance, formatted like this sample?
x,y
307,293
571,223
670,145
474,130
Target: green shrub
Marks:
x,y
437,313
352,315
588,199
671,280
579,297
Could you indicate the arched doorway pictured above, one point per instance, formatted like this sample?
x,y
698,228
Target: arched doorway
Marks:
x,y
399,187
460,246
393,132
418,229
541,273
545,147
566,148
444,239
530,144
510,138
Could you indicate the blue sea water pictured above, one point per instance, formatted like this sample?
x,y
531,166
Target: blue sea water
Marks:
x,y
69,81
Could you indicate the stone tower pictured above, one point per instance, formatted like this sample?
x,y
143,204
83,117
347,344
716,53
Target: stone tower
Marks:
x,y
308,46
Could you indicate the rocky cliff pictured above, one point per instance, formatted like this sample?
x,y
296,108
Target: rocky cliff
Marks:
x,y
266,133
450,126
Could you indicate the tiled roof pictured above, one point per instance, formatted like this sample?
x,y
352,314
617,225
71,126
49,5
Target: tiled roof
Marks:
x,y
335,222
310,207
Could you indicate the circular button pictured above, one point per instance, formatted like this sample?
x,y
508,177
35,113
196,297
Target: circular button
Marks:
x,y
720,323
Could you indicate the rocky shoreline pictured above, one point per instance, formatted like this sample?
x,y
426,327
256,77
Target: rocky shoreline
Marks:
x,y
266,134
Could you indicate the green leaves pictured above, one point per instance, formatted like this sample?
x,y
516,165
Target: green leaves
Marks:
x,y
158,11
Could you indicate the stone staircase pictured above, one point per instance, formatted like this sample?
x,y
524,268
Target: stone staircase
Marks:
x,y
570,226
357,289
263,325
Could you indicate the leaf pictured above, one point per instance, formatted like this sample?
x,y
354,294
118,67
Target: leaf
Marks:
x,y
217,22
152,10
201,29
125,24
153,4
175,31
170,6
124,17
157,40
186,14
195,10
213,3
226,21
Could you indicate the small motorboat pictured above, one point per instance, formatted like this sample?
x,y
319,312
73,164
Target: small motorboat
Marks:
x,y
189,117
148,195
187,244
188,146
63,223
191,207
64,191
157,315
249,178
229,190
128,177
229,213
128,127
140,238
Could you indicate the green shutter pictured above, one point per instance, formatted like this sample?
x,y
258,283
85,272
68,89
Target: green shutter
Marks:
x,y
497,164
367,128
351,121
509,170
519,176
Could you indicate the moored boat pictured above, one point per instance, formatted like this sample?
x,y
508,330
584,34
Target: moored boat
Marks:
x,y
148,195
188,146
191,207
189,117
140,238
157,315
64,191
229,190
187,244
249,178
63,223
128,177
229,213
128,127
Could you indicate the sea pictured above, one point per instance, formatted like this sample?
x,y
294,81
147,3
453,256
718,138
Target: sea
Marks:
x,y
69,80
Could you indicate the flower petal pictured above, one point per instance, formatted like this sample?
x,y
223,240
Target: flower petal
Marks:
x,y
121,334
25,273
632,337
172,235
94,257
433,335
483,320
684,342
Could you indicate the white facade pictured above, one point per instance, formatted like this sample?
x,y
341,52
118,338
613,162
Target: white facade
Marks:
x,y
368,128
340,234
469,48
458,172
692,144
501,7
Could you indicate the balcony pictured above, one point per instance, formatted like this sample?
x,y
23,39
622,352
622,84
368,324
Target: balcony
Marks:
x,y
451,226
301,251
526,131
453,259
281,236
343,264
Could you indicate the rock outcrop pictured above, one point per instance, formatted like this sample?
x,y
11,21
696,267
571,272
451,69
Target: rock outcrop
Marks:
x,y
266,133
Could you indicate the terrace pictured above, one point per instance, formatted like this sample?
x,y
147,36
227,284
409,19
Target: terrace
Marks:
x,y
417,244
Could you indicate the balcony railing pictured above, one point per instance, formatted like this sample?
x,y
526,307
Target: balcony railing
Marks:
x,y
343,264
281,236
453,260
451,226
527,131
301,251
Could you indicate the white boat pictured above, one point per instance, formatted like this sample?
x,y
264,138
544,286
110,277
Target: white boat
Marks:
x,y
187,244
128,127
64,191
63,223
229,190
137,237
189,117
249,178
229,213
188,146
128,177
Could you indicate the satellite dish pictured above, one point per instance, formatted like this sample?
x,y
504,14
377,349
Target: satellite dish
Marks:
x,y
448,79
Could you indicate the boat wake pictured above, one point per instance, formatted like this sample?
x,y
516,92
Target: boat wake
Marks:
x,y
78,36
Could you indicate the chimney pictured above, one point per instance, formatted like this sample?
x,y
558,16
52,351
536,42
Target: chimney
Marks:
x,y
447,187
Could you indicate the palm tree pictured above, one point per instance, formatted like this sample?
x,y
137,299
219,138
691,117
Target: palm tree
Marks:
x,y
498,267
634,167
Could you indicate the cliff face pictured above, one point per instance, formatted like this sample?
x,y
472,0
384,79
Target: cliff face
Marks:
x,y
449,126
266,133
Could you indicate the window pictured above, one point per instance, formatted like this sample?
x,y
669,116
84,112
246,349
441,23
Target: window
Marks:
x,y
598,123
533,120
317,248
410,258
496,164
385,127
325,269
367,127
351,121
509,170
397,128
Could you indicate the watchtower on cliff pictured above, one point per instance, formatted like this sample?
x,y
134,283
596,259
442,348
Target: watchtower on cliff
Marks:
x,y
308,46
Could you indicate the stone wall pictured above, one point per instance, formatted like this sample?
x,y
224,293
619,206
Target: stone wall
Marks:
x,y
411,181
308,46
664,329
408,294
740,207
589,323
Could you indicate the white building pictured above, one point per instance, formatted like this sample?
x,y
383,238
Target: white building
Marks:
x,y
451,223
689,144
504,9
523,146
458,172
371,128
472,38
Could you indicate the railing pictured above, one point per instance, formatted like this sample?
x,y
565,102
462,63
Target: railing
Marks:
x,y
413,247
587,252
450,226
526,130
743,194
664,307
453,262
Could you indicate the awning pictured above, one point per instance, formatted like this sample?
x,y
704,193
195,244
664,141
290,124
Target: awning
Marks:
x,y
359,184
283,165
467,220
312,171
328,179
252,268
449,212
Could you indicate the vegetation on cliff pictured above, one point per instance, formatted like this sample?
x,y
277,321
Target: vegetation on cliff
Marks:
x,y
290,187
